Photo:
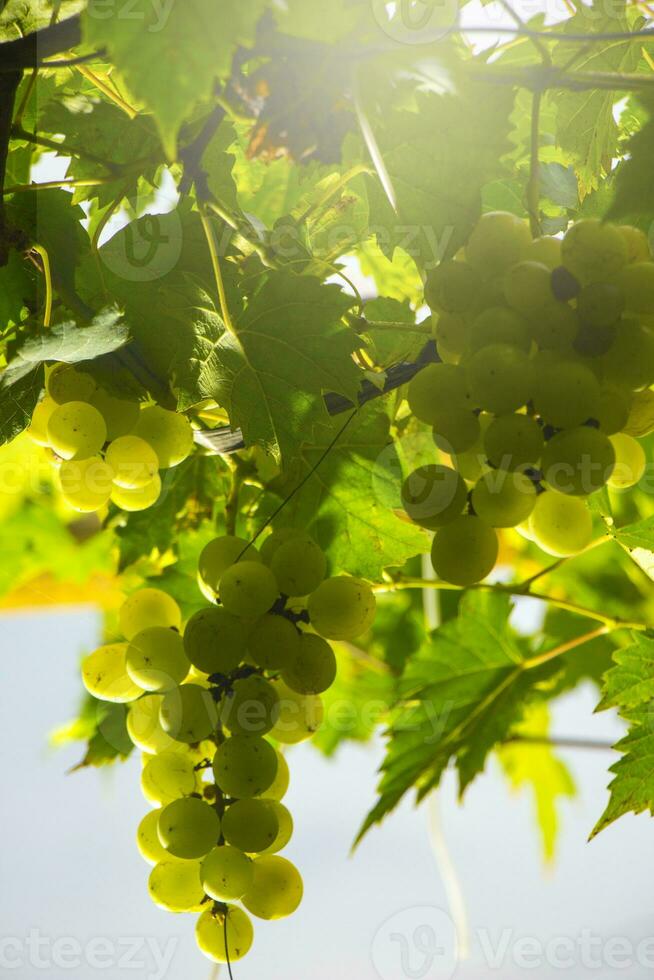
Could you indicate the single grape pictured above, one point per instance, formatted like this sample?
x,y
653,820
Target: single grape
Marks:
x,y
636,242
299,566
471,464
314,669
545,249
565,286
457,432
561,525
134,462
500,378
615,405
279,787
527,287
66,383
566,393
342,608
513,442
141,498
629,362
451,336
554,326
251,825
248,589
188,828
600,304
224,941
175,885
578,461
496,243
156,660
593,251
276,888
274,642
300,716
285,832
188,713
465,551
167,776
86,484
453,287
105,676
433,495
147,608
38,428
147,838
640,421
437,390
245,766
504,499
217,556
227,873
120,414
144,727
76,431
168,433
636,281
630,461
594,341
277,538
214,640
498,325
251,707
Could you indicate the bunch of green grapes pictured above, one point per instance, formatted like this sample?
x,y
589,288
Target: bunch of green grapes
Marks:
x,y
209,703
106,448
546,349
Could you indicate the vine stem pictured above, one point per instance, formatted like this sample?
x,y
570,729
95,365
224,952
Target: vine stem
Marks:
x,y
563,648
49,185
533,184
107,90
47,274
215,262
561,743
232,500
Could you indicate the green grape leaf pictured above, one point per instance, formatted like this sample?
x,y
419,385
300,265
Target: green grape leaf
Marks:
x,y
559,184
18,398
17,290
634,190
103,727
630,682
638,542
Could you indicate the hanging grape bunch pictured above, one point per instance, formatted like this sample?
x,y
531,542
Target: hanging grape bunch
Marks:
x,y
106,448
546,348
206,705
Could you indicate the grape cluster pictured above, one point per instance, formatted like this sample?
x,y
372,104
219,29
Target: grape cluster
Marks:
x,y
206,704
106,448
546,346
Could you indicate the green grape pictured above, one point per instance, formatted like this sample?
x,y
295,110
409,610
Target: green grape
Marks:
x,y
175,885
451,336
168,433
630,461
498,325
615,405
437,390
227,873
244,766
512,442
299,566
156,660
217,556
457,432
38,429
274,540
545,249
147,838
76,431
637,283
144,727
120,414
433,495
210,933
214,640
629,362
496,243
285,832
67,384
465,551
593,251
554,326
500,378
104,675
276,888
251,825
504,499
527,287
167,776
86,484
578,461
453,287
566,393
636,242
188,828
141,498
252,707
300,716
471,465
561,525
640,421
342,608
147,608
314,669
279,787
248,589
134,462
600,304
188,713
274,642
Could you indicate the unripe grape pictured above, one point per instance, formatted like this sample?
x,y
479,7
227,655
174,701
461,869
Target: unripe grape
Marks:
x,y
276,888
147,838
436,390
453,287
168,433
601,304
104,675
86,484
561,525
636,242
175,885
188,828
245,766
274,642
139,498
527,287
504,499
144,727
134,462
248,589
578,461
168,776
251,825
146,608
433,495
629,362
214,640
498,325
285,832
76,431
554,326
120,414
299,566
314,669
38,428
300,716
279,787
615,405
465,551
67,383
496,243
630,462
500,378
514,441
278,537
637,283
211,930
451,336
342,608
188,713
593,251
545,249
566,393
227,873
217,556
457,431
251,708
156,660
